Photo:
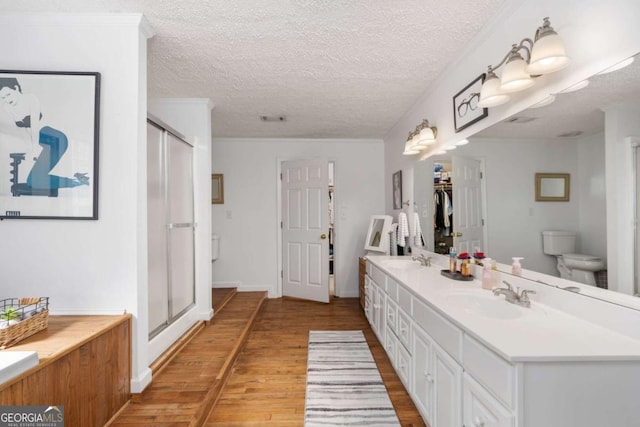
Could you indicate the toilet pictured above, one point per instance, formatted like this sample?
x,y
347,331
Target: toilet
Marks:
x,y
572,266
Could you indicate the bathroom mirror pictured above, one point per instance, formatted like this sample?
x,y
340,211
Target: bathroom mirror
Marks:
x,y
568,136
552,187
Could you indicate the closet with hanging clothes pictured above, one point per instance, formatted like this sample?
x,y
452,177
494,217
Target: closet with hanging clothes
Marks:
x,y
443,217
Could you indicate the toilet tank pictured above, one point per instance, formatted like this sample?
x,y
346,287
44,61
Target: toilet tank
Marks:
x,y
558,242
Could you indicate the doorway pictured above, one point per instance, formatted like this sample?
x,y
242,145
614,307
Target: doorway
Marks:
x,y
307,229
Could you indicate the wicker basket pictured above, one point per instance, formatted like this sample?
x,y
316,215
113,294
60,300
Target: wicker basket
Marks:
x,y
32,316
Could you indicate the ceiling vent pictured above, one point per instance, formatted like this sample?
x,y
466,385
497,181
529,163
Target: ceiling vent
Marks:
x,y
273,118
519,119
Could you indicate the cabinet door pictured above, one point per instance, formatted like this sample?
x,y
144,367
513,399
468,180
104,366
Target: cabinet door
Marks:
x,y
368,299
422,392
447,377
378,313
403,365
480,409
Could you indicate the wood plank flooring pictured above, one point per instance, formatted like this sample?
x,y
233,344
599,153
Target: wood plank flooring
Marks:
x,y
267,386
267,383
183,393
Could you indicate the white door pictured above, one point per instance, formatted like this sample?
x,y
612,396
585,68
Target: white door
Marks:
x,y
305,229
467,204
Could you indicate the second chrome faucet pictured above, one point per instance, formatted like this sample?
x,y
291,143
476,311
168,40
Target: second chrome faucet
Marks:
x,y
514,297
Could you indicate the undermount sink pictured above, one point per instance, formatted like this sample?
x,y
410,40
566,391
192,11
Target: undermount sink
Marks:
x,y
13,363
486,305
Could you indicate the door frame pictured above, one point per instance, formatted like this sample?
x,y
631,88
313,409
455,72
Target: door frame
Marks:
x,y
279,161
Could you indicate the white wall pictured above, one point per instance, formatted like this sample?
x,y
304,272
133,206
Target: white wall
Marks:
x,y
592,47
89,266
621,122
247,222
192,118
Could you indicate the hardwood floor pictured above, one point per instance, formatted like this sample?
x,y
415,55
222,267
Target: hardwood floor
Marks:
x,y
267,386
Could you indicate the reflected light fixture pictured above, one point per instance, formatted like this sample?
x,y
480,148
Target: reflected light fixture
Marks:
x,y
548,100
545,54
575,87
462,142
620,65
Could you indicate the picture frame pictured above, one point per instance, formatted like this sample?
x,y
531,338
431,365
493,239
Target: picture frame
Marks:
x,y
49,161
396,184
217,189
465,105
552,187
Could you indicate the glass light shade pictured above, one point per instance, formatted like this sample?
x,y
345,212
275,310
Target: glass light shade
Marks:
x,y
515,76
408,149
548,55
490,94
450,147
462,142
426,137
415,142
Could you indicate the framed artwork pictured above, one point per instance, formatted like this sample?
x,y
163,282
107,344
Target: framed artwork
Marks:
x,y
465,105
397,190
217,189
49,127
552,187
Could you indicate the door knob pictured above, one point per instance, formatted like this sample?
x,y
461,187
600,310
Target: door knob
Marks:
x,y
323,236
456,234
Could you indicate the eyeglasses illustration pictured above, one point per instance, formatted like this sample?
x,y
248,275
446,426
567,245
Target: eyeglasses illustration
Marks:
x,y
470,103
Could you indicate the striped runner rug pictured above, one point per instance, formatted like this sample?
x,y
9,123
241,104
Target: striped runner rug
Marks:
x,y
344,387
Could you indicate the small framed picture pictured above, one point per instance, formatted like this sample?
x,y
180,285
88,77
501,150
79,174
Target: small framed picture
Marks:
x,y
217,189
397,190
465,105
49,144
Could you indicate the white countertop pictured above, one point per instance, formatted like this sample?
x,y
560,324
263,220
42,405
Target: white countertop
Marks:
x,y
536,334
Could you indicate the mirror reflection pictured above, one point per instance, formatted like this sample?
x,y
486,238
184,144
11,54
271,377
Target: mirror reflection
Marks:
x,y
568,137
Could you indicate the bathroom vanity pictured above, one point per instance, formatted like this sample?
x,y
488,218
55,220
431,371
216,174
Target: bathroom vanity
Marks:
x,y
470,358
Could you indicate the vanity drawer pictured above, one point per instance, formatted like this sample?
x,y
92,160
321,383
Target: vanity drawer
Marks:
x,y
392,289
379,277
403,328
489,369
391,316
445,333
404,299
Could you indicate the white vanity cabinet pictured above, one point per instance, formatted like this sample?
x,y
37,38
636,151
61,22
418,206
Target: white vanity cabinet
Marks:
x,y
463,367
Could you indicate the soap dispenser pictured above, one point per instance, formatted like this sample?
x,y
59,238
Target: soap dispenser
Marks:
x,y
516,268
487,274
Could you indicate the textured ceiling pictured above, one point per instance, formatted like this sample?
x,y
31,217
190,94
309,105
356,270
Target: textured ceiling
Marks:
x,y
335,69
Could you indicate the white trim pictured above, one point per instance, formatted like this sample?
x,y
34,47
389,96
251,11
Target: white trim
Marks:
x,y
184,101
139,383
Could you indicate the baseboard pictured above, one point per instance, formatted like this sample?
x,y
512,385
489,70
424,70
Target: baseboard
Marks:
x,y
139,383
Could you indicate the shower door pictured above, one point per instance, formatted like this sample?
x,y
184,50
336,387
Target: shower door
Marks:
x,y
170,226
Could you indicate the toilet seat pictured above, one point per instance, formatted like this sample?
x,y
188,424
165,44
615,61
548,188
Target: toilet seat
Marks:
x,y
583,262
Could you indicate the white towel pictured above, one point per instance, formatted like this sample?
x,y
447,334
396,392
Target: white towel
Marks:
x,y
403,229
448,210
394,239
417,230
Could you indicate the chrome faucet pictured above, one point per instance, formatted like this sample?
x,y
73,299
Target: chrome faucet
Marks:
x,y
514,297
425,261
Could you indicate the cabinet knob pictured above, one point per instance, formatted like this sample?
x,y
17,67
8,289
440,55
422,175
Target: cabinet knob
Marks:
x,y
478,422
429,377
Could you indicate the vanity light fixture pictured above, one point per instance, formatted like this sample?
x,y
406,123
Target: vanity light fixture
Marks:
x,y
545,54
449,147
420,138
409,149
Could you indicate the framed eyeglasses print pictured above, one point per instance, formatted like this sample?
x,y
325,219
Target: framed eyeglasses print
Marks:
x,y
465,105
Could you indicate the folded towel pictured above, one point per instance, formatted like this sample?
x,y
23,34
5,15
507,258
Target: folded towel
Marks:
x,y
403,229
394,239
417,230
